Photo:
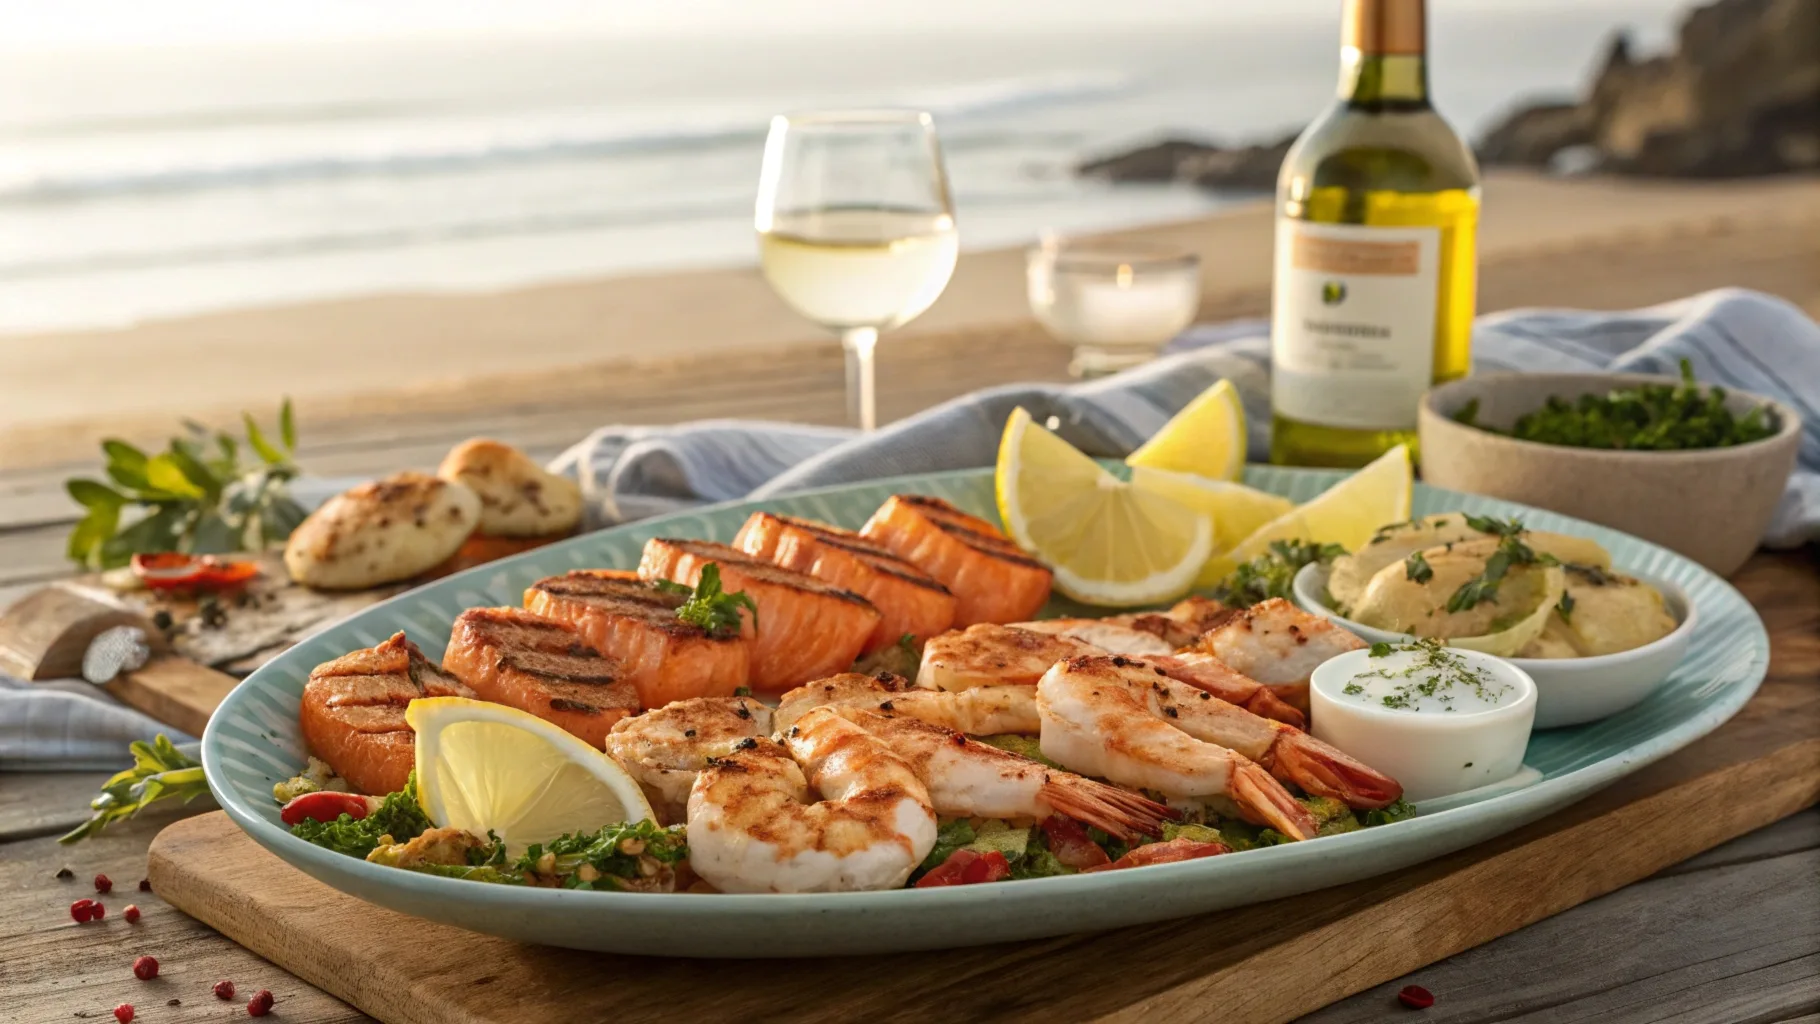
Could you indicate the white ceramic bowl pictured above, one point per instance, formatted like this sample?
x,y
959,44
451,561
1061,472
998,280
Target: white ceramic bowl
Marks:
x,y
1431,754
1570,691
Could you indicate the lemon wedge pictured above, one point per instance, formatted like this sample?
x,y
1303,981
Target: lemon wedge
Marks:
x,y
484,766
1207,438
1109,542
1236,510
1347,514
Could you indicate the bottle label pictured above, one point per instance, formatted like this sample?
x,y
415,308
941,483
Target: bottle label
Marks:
x,y
1352,325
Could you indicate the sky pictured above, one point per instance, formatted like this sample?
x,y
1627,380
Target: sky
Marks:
x,y
61,24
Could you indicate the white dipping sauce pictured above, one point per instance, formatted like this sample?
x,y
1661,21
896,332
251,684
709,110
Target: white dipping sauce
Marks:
x,y
1438,720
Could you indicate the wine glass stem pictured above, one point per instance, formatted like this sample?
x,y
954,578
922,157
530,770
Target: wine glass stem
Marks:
x,y
862,381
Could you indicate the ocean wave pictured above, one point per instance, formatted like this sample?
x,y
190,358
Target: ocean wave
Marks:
x,y
964,110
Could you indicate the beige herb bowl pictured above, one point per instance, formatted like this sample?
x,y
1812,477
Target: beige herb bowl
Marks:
x,y
1710,505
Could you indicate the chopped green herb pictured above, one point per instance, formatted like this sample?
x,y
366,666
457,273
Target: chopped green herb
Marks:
x,y
1272,574
710,607
1650,417
1381,649
742,691
1494,526
1398,811
614,852
1436,669
398,816
1565,606
1416,569
949,837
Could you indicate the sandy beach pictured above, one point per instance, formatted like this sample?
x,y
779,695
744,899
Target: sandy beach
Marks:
x,y
543,363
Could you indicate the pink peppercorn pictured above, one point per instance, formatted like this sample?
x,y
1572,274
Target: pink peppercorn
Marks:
x,y
145,968
145,885
104,884
1416,997
96,911
261,1003
131,913
82,910
224,990
124,1013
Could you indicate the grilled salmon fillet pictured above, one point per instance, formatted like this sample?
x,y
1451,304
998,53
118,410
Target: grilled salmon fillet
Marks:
x,y
541,666
992,580
806,628
633,622
353,712
909,600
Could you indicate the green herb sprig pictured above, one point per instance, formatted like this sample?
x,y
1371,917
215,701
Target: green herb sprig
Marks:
x,y
160,772
1272,574
1512,550
709,606
1651,417
1417,570
196,496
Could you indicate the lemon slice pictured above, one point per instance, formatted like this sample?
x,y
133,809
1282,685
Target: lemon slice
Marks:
x,y
1347,514
486,766
1110,543
1207,438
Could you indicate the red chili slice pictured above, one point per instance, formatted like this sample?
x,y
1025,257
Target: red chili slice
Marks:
x,y
326,807
1070,844
169,570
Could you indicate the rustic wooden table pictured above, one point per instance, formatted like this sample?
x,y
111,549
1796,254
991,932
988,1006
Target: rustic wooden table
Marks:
x,y
1728,937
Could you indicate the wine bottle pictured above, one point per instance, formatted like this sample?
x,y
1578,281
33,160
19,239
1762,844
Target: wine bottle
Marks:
x,y
1376,252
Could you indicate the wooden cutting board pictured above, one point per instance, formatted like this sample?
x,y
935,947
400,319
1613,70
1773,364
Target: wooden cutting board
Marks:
x,y
1271,962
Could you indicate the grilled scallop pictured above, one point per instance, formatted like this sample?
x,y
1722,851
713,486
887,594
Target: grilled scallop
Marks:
x,y
353,712
541,666
633,622
909,601
992,580
806,628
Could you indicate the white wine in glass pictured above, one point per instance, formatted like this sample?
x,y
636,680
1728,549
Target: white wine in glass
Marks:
x,y
856,228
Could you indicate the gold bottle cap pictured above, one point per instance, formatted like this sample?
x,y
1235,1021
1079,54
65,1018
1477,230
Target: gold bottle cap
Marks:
x,y
1384,26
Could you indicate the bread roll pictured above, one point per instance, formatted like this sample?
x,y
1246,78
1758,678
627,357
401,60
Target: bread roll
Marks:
x,y
518,498
381,532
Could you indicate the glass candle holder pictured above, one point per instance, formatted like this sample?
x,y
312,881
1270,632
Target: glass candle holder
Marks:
x,y
1116,303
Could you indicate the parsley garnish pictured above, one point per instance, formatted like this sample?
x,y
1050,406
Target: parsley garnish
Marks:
x,y
1417,569
1381,649
398,816
1435,670
1565,606
708,606
1652,417
1511,551
1272,574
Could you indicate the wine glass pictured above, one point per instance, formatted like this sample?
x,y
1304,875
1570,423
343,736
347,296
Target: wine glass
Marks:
x,y
856,228
1115,302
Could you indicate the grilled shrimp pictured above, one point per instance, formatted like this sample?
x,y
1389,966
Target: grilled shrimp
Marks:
x,y
1206,672
981,711
1108,636
988,655
967,778
1100,717
1284,750
1181,624
1279,645
666,748
830,810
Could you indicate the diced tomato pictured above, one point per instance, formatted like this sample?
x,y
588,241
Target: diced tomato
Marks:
x,y
172,571
967,867
1164,853
326,806
1069,842
991,867
948,872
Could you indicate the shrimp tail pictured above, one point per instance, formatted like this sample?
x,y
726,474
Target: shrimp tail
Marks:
x,y
1264,801
1266,704
1322,770
1117,812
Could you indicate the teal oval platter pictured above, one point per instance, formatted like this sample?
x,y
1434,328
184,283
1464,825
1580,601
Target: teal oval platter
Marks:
x,y
254,740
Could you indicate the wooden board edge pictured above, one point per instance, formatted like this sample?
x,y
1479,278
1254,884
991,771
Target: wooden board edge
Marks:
x,y
1428,923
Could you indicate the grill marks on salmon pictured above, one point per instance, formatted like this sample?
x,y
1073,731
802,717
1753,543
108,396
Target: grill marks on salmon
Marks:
x,y
806,629
909,600
540,666
991,578
352,713
633,622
